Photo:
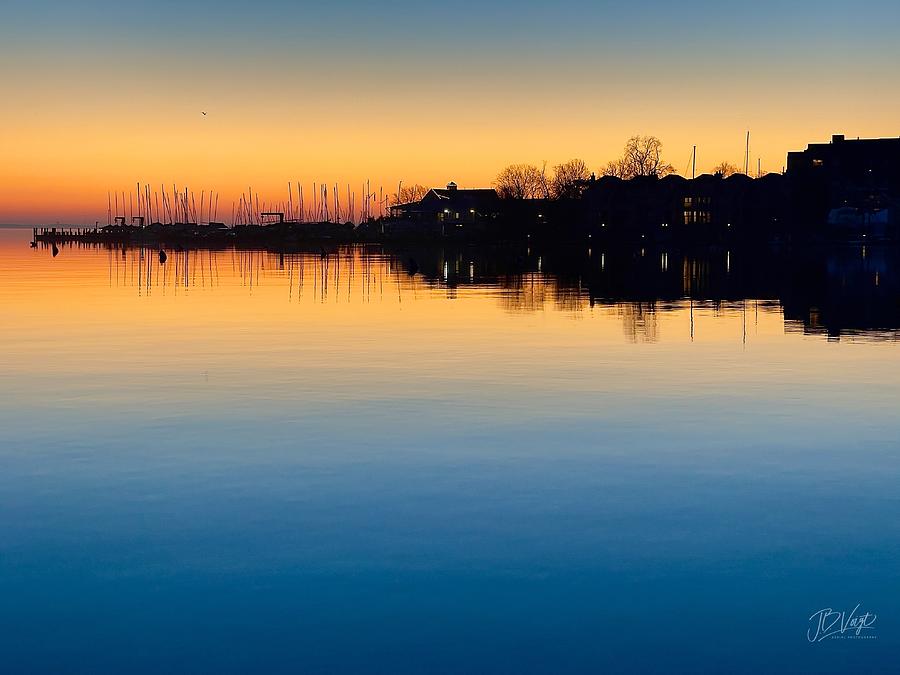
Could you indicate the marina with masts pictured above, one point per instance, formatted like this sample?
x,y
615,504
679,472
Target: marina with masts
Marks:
x,y
177,216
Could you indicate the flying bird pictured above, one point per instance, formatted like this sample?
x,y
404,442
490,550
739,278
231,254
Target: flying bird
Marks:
x,y
204,112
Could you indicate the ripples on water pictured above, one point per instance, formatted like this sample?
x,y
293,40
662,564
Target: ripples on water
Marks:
x,y
446,460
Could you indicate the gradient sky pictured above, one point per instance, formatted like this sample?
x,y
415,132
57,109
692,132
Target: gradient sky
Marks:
x,y
99,95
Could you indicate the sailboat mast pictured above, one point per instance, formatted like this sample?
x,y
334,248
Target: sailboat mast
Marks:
x,y
747,156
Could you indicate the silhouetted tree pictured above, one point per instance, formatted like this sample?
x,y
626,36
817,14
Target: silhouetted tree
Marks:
x,y
568,179
409,193
642,157
545,182
520,181
616,168
725,169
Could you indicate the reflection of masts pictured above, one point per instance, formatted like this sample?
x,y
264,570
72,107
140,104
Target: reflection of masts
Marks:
x,y
692,319
744,321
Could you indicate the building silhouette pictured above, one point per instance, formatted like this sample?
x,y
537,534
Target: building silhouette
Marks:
x,y
449,211
842,190
853,186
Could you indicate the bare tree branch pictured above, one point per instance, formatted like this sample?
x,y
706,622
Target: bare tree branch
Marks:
x,y
725,169
409,193
520,181
642,157
568,179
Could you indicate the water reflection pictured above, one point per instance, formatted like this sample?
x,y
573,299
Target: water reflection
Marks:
x,y
320,460
833,292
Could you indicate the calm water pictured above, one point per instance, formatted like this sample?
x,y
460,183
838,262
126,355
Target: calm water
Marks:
x,y
446,461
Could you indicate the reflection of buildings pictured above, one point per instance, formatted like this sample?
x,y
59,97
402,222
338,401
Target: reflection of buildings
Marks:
x,y
833,290
828,290
846,291
639,321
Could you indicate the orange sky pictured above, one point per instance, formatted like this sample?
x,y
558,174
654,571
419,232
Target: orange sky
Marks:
x,y
97,103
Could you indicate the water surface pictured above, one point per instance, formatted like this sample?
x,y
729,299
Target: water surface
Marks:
x,y
427,460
